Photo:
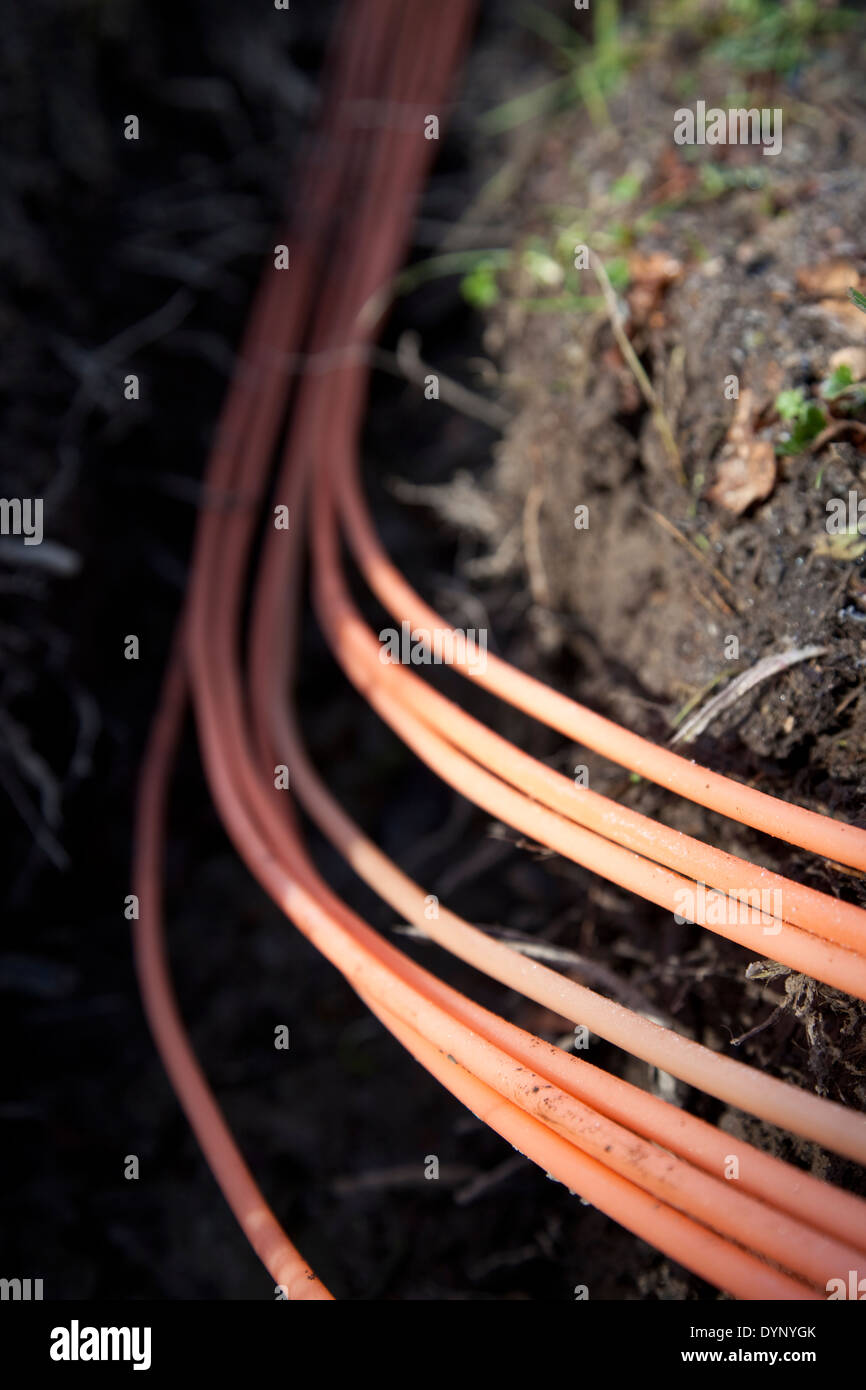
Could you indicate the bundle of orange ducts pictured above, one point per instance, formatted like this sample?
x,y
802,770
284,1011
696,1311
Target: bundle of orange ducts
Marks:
x,y
741,1219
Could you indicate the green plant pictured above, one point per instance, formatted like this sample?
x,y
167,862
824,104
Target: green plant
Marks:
x,y
841,388
479,288
837,383
768,36
594,69
806,420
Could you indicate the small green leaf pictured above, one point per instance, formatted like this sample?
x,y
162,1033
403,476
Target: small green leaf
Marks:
x,y
837,383
805,418
790,403
857,298
625,189
479,287
807,427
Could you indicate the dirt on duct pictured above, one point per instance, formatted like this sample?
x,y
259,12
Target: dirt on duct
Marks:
x,y
620,614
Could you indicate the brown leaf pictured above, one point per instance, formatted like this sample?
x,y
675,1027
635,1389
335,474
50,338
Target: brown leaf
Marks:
x,y
847,546
649,278
746,471
832,278
674,175
846,315
659,267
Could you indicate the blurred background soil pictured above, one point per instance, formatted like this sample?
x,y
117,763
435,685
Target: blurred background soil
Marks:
x,y
142,256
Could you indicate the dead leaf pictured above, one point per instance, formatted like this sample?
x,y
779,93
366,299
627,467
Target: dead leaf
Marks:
x,y
675,177
833,277
846,315
649,278
657,267
848,545
746,471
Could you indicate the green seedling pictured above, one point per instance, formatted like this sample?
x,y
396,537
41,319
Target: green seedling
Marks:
x,y
806,420
480,288
841,388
